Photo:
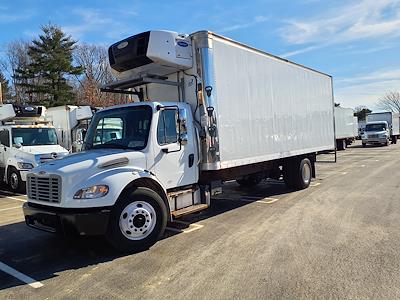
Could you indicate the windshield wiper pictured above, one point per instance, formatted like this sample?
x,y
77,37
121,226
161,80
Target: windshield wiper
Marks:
x,y
114,146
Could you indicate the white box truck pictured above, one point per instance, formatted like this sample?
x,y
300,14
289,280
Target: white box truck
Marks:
x,y
381,127
26,141
208,110
346,127
71,123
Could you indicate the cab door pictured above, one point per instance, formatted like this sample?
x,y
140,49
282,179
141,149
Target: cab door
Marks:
x,y
175,149
4,149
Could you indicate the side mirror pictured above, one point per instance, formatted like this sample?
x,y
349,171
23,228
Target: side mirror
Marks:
x,y
182,121
183,139
18,145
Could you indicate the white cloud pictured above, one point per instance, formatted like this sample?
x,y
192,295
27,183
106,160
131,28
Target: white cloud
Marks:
x,y
93,20
254,21
368,19
366,89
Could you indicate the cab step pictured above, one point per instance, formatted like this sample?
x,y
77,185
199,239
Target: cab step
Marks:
x,y
188,210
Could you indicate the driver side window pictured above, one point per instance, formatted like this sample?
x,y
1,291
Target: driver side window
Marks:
x,y
5,138
167,132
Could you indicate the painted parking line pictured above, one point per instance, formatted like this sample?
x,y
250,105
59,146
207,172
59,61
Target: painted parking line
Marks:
x,y
10,208
14,198
191,227
315,184
267,200
22,277
362,166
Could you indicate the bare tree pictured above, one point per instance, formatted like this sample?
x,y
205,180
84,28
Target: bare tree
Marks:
x,y
16,59
97,72
391,102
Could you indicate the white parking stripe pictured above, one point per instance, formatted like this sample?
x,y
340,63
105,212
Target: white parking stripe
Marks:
x,y
24,278
191,227
9,208
315,184
13,198
263,200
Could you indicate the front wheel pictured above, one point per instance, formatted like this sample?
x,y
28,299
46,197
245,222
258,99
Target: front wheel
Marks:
x,y
15,182
137,221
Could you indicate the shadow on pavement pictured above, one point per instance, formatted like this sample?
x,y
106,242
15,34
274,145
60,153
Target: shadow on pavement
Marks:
x,y
42,255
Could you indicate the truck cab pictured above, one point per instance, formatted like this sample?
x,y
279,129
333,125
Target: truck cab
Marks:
x,y
25,143
377,133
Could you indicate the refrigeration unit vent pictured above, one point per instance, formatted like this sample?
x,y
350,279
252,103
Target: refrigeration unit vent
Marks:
x,y
157,53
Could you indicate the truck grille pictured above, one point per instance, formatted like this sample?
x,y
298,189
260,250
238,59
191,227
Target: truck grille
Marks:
x,y
373,136
44,188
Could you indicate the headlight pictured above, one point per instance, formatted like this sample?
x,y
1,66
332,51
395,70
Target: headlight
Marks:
x,y
92,192
24,165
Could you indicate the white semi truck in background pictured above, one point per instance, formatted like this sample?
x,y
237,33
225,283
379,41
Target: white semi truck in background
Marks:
x,y
71,123
208,109
346,127
26,141
381,128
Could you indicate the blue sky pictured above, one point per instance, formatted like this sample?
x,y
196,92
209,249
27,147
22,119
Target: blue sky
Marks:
x,y
357,42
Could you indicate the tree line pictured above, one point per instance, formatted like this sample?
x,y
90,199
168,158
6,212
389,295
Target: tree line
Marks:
x,y
54,69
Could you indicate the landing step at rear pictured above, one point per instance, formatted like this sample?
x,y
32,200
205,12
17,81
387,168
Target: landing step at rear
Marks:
x,y
188,210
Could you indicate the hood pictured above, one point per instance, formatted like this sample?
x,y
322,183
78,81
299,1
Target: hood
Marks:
x,y
84,164
43,149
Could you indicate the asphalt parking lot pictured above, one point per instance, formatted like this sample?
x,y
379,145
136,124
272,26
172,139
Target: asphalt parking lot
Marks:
x,y
340,238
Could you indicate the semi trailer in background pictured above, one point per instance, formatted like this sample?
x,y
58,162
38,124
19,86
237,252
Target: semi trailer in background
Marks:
x,y
207,109
381,128
346,127
26,141
71,123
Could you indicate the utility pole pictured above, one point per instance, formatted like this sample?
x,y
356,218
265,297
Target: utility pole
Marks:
x,y
1,94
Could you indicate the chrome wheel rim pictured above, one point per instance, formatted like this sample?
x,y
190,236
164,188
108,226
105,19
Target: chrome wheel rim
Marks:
x,y
14,181
137,220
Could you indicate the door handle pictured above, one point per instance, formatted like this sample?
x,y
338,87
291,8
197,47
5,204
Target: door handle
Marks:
x,y
191,160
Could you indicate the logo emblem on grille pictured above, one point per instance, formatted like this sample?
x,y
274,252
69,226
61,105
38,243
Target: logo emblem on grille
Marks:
x,y
42,172
54,155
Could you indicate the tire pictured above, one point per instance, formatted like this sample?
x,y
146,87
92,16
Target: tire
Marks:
x,y
394,140
364,145
137,221
386,143
15,182
341,145
248,181
297,174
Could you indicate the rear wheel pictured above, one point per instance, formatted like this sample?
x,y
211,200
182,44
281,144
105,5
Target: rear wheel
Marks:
x,y
341,145
298,173
15,182
364,145
394,139
137,221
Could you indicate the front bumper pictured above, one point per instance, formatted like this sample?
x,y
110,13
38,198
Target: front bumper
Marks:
x,y
66,220
374,141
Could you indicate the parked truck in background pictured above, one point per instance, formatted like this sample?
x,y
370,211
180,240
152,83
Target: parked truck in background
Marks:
x,y
381,127
208,109
346,127
71,123
26,141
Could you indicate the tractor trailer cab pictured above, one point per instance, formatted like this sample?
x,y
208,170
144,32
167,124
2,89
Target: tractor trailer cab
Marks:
x,y
205,109
26,142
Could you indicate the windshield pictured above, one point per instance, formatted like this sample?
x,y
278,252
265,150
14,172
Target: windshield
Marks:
x,y
375,127
124,128
34,136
